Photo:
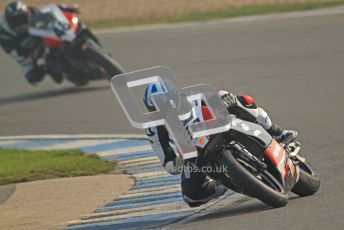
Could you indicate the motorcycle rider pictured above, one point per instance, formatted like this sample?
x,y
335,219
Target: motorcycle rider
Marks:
x,y
27,50
197,188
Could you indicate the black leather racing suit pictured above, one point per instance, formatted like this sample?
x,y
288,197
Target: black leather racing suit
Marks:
x,y
24,48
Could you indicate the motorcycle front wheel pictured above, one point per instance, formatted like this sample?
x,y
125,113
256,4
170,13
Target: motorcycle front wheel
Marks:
x,y
259,184
100,56
308,182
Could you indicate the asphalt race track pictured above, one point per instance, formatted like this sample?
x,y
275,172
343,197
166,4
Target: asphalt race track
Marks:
x,y
293,67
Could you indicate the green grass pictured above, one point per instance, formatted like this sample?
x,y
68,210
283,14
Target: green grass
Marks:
x,y
226,13
24,165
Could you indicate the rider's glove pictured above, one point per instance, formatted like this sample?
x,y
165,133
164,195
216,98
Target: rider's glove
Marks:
x,y
229,100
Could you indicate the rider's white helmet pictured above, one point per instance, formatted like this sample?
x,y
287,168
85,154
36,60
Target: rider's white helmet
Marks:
x,y
153,88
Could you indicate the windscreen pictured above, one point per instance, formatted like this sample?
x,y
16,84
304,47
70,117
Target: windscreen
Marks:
x,y
52,23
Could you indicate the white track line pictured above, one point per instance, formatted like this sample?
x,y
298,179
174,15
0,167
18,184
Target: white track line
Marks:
x,y
137,164
128,215
133,210
254,18
138,160
77,136
151,174
125,150
142,194
9,142
77,144
159,188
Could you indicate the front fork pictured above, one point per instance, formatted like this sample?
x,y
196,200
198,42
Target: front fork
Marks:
x,y
293,150
83,34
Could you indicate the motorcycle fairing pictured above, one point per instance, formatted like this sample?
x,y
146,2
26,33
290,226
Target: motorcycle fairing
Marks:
x,y
255,138
55,26
279,159
260,143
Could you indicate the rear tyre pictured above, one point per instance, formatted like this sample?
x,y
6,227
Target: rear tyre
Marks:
x,y
259,184
308,182
98,55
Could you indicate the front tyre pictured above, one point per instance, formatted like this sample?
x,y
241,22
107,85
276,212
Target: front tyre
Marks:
x,y
308,182
100,56
256,183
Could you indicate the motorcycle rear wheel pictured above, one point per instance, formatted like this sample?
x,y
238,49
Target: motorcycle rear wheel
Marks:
x,y
259,184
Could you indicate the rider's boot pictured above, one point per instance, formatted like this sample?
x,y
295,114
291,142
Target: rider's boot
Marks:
x,y
218,190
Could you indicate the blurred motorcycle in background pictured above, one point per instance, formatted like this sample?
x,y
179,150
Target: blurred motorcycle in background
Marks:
x,y
70,49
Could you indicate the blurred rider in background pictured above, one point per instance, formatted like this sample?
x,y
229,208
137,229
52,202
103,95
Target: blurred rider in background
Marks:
x,y
27,50
197,188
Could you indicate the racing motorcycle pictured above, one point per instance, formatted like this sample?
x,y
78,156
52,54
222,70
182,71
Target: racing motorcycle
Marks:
x,y
73,50
255,163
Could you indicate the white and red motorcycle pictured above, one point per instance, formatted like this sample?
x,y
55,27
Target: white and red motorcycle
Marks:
x,y
257,165
72,50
